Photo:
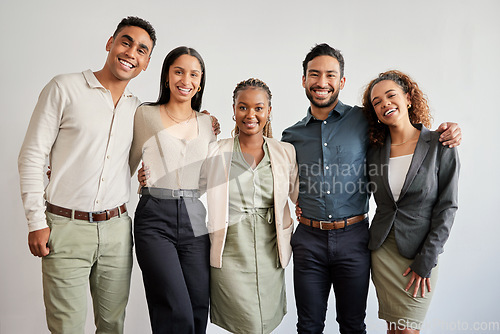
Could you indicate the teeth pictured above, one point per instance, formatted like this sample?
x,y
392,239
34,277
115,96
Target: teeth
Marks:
x,y
390,111
123,62
321,92
184,90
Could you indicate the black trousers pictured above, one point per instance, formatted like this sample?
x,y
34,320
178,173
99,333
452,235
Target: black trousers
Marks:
x,y
322,259
175,263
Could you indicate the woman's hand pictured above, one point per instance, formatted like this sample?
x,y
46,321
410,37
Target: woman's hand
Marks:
x,y
420,282
298,210
143,175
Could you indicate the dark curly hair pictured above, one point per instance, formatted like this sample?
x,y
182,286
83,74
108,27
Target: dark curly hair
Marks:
x,y
418,112
255,84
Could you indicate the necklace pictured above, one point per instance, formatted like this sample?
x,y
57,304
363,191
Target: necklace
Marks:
x,y
405,141
180,121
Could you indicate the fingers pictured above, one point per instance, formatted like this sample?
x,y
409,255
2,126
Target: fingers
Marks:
x,y
407,271
428,280
454,142
215,125
37,242
452,134
143,175
422,288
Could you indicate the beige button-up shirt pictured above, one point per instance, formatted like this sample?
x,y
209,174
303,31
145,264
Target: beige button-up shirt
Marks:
x,y
87,140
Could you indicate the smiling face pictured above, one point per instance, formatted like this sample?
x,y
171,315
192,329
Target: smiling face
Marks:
x,y
184,78
390,102
251,110
322,82
128,53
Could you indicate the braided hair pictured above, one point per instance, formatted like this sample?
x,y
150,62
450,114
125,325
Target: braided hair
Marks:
x,y
255,84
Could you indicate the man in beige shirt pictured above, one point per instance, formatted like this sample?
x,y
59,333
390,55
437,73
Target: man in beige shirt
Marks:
x,y
79,224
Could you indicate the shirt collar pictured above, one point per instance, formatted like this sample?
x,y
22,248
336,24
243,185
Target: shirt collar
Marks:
x,y
336,112
94,83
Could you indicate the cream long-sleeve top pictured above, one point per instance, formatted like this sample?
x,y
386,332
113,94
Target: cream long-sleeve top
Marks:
x,y
173,163
87,139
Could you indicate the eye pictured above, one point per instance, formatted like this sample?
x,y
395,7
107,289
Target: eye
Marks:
x,y
258,109
126,43
242,108
392,95
178,72
194,75
376,103
142,51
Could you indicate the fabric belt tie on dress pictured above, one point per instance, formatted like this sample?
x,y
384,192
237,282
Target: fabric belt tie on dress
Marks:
x,y
332,225
265,213
97,216
165,193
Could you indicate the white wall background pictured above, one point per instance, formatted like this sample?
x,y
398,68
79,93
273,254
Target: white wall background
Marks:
x,y
452,48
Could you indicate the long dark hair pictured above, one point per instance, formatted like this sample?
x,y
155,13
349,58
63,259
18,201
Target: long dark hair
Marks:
x,y
164,95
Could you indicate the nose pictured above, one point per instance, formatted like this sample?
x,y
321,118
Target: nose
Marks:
x,y
323,81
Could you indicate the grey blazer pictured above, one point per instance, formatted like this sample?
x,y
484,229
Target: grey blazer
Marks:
x,y
424,213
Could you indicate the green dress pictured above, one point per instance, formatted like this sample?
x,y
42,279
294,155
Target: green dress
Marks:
x,y
248,292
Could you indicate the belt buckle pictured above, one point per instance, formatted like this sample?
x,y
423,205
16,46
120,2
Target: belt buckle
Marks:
x,y
91,215
174,194
321,222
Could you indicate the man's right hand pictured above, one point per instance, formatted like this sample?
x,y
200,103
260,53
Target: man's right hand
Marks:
x,y
37,241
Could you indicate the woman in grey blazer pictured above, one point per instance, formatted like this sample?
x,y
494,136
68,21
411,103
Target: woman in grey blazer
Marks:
x,y
414,180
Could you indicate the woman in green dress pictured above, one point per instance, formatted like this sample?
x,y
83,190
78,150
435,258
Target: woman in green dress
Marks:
x,y
250,178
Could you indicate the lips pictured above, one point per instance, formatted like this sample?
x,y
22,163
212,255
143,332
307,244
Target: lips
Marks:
x,y
250,124
184,91
321,92
390,111
126,64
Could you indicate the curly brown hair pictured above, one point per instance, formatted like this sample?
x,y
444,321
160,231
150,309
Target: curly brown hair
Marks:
x,y
418,112
256,84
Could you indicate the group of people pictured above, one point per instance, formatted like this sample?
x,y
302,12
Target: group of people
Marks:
x,y
228,261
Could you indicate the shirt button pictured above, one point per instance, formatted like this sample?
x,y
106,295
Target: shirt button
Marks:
x,y
107,157
97,201
102,179
324,122
328,192
326,144
329,216
327,167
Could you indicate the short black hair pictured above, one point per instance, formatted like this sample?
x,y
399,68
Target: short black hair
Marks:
x,y
324,50
134,21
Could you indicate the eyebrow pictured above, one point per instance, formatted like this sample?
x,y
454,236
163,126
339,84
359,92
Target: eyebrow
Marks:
x,y
258,103
142,45
182,68
390,90
318,71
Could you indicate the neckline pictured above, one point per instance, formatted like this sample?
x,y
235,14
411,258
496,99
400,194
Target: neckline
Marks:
x,y
166,130
240,152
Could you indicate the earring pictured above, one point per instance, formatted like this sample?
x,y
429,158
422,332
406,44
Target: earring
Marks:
x,y
409,106
199,88
234,118
166,84
378,121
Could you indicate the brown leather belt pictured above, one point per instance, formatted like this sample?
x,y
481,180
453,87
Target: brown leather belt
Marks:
x,y
332,225
89,216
